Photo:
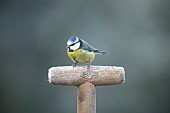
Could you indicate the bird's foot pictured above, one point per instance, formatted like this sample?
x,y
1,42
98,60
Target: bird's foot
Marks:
x,y
74,65
89,65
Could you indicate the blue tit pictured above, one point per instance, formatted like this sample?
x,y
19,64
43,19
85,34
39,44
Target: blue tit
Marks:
x,y
81,52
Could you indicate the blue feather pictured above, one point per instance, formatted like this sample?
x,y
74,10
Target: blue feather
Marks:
x,y
72,38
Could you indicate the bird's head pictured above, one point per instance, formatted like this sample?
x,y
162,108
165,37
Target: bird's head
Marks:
x,y
73,43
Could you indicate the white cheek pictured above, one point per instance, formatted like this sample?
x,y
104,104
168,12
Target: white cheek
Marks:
x,y
75,47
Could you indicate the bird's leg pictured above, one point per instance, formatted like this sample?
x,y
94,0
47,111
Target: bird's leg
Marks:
x,y
74,65
89,64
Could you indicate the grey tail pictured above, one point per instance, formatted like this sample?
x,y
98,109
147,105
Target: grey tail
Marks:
x,y
101,52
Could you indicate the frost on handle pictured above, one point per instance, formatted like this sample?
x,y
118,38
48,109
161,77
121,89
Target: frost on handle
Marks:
x,y
98,75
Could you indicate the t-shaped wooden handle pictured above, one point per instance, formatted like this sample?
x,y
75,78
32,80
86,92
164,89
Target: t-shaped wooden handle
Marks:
x,y
86,79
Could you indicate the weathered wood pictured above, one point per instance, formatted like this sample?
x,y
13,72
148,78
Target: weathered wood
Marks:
x,y
75,76
86,98
86,79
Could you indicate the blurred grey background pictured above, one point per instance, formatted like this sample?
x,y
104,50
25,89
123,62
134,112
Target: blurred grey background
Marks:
x,y
33,36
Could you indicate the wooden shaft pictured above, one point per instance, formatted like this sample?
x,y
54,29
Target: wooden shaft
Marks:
x,y
86,98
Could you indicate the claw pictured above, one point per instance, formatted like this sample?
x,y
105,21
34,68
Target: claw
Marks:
x,y
74,65
89,64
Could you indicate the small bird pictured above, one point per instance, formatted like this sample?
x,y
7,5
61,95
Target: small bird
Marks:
x,y
81,52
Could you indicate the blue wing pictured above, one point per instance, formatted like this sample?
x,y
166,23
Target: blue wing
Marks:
x,y
88,47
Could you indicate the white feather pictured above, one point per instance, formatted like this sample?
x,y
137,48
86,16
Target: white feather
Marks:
x,y
70,42
75,46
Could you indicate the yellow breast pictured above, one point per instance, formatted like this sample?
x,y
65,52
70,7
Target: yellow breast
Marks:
x,y
81,56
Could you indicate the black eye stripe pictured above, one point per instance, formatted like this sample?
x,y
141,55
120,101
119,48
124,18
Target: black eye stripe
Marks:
x,y
74,43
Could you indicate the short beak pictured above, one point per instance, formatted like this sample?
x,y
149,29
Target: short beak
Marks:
x,y
67,46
